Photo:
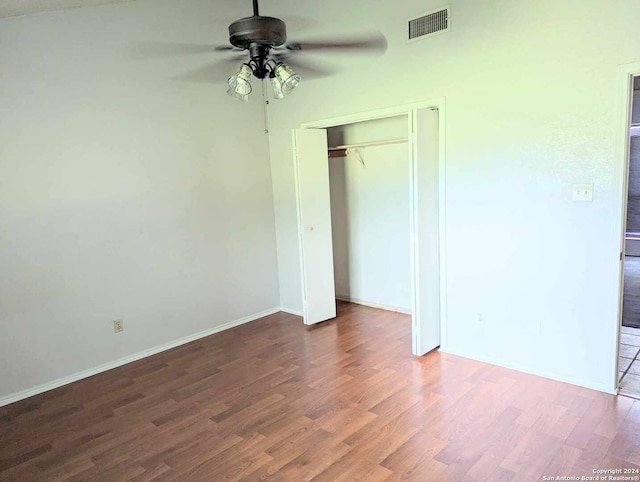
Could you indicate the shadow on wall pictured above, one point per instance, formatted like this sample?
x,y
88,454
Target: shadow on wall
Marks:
x,y
340,221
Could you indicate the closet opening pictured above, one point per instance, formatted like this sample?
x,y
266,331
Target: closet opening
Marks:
x,y
377,180
370,197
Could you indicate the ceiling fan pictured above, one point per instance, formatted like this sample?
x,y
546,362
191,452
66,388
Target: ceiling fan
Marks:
x,y
265,39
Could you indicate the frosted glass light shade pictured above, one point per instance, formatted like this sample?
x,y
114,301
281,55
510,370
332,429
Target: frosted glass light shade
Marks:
x,y
239,85
288,79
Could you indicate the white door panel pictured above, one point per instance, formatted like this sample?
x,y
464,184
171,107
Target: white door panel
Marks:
x,y
314,224
426,310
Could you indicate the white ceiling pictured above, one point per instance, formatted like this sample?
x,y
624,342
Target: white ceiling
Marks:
x,y
12,8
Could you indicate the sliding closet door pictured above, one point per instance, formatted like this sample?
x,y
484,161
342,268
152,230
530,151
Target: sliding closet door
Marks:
x,y
425,181
314,224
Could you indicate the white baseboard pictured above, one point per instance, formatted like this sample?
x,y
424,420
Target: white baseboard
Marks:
x,y
370,304
601,387
291,311
45,387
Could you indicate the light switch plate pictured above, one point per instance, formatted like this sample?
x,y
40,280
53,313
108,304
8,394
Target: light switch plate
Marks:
x,y
583,192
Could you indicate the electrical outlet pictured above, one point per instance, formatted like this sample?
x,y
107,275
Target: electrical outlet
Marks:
x,y
582,192
118,326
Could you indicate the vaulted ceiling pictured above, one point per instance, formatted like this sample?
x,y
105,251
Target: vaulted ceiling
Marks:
x,y
12,8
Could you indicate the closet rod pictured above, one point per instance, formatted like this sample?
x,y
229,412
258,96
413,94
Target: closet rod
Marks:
x,y
370,144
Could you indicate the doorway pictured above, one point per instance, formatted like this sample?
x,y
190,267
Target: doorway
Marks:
x,y
425,150
629,344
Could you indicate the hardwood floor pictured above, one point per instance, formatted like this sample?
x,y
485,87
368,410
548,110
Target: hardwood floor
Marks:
x,y
345,400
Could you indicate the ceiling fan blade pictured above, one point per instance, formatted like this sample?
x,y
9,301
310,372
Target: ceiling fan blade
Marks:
x,y
212,73
227,48
371,43
296,23
163,50
306,69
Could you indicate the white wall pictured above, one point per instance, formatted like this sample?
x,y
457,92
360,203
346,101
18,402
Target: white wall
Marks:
x,y
369,131
531,94
370,216
123,194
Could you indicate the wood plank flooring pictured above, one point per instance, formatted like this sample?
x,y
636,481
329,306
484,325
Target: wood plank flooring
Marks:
x,y
345,400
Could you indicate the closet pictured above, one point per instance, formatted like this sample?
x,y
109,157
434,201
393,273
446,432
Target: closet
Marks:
x,y
369,191
370,195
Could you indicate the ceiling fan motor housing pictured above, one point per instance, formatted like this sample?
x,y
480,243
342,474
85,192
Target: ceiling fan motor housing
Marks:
x,y
268,31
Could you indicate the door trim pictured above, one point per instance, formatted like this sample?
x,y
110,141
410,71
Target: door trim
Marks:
x,y
409,109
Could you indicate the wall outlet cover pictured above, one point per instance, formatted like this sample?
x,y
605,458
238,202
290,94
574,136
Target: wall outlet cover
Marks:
x,y
118,326
582,192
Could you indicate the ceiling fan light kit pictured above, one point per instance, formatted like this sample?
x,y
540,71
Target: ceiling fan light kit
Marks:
x,y
283,80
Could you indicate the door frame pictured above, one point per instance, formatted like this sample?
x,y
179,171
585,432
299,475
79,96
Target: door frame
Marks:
x,y
626,74
409,110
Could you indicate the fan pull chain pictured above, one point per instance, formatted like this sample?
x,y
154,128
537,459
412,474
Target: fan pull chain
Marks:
x,y
266,105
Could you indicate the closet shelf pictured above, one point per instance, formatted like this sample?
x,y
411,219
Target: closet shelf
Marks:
x,y
398,140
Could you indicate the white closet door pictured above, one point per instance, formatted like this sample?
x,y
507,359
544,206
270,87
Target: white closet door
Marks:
x,y
426,310
314,224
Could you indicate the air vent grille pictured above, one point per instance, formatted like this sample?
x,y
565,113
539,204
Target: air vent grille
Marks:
x,y
430,24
